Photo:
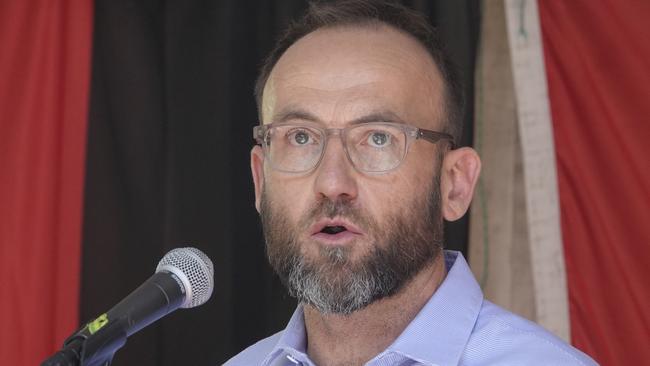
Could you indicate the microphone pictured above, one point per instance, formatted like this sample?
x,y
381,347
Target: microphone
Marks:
x,y
184,278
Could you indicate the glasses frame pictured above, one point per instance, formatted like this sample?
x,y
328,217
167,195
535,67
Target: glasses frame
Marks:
x,y
412,133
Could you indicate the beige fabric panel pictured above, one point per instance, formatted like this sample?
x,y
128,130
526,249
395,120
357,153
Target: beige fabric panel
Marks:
x,y
540,175
499,250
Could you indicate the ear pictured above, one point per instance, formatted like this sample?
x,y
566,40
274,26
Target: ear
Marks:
x,y
460,171
257,169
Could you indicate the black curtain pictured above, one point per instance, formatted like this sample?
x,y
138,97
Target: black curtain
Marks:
x,y
170,124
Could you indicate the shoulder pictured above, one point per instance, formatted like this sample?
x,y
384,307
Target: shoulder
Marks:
x,y
255,354
500,336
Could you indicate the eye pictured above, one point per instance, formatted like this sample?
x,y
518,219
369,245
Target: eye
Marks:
x,y
300,137
379,139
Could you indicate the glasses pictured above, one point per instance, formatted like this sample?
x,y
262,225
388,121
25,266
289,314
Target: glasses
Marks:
x,y
375,147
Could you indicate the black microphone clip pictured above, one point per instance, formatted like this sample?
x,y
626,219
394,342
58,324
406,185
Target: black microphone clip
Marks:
x,y
93,345
82,349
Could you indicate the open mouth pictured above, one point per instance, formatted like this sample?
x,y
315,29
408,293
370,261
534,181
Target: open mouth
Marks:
x,y
333,230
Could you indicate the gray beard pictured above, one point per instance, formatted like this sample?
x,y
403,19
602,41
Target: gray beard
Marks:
x,y
409,241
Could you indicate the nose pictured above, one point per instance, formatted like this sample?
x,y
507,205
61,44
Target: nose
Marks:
x,y
335,176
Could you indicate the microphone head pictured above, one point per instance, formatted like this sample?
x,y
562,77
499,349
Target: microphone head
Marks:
x,y
194,269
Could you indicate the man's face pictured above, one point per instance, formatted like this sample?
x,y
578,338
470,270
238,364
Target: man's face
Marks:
x,y
339,238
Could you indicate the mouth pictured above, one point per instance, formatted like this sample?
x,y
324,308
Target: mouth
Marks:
x,y
335,231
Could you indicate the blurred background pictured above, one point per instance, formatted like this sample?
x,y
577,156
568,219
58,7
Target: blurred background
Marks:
x,y
125,131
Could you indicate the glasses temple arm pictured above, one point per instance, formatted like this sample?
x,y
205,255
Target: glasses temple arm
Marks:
x,y
433,136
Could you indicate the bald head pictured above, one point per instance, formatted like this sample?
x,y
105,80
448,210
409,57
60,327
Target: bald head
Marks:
x,y
344,72
369,15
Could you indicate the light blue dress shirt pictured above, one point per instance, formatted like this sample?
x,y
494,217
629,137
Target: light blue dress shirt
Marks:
x,y
455,327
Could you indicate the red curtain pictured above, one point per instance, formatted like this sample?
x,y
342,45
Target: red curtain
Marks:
x,y
597,57
44,81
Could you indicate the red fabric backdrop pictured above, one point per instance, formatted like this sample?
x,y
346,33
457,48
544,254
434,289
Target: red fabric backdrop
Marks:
x,y
598,65
44,80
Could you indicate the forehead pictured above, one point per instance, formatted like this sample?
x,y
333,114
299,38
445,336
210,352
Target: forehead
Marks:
x,y
343,73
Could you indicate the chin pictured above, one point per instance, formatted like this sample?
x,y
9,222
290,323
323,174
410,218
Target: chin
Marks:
x,y
350,253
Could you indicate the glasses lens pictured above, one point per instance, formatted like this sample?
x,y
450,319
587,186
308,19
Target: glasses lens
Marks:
x,y
294,148
376,147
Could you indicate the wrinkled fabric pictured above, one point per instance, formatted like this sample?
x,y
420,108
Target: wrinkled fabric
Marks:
x,y
457,326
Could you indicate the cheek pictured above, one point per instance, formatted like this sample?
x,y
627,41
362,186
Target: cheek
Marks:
x,y
419,169
379,200
395,193
289,195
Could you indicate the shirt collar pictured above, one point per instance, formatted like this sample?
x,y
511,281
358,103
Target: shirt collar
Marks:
x,y
436,336
440,331
293,341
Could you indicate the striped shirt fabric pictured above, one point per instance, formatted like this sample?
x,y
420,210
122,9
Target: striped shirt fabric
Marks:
x,y
457,326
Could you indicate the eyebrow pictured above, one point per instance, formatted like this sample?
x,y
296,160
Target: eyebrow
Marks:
x,y
378,116
301,114
295,113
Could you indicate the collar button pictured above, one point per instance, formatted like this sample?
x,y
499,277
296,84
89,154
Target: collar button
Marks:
x,y
293,360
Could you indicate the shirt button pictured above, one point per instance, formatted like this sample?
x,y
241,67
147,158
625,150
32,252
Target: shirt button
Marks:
x,y
293,360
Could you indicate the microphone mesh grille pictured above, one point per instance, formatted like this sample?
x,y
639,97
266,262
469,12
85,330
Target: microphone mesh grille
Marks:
x,y
198,269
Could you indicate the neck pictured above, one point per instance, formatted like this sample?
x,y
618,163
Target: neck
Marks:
x,y
356,338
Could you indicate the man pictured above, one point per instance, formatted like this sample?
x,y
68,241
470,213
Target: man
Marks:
x,y
355,171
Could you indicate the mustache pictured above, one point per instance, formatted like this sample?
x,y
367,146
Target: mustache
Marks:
x,y
340,208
